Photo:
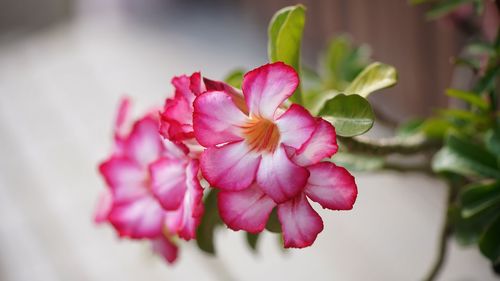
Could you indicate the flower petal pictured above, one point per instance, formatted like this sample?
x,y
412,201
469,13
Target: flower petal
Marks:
x,y
299,222
144,143
331,186
247,210
141,218
182,85
321,144
266,87
168,182
279,177
235,94
166,248
176,119
186,219
196,86
103,206
216,119
230,167
296,126
125,178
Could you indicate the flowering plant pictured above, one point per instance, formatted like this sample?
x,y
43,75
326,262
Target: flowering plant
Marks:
x,y
254,150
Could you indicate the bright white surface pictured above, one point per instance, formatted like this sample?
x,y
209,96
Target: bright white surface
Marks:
x,y
58,92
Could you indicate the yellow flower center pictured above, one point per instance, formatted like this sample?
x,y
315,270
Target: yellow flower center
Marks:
x,y
261,134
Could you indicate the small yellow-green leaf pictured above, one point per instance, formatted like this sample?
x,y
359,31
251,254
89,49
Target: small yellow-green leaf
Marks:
x,y
350,115
469,97
374,77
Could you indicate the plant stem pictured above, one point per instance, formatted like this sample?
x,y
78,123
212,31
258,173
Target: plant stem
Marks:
x,y
445,232
411,145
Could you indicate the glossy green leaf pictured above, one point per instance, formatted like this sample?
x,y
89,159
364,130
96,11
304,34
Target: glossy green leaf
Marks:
x,y
469,97
235,78
351,115
273,224
466,158
209,222
478,198
285,37
252,240
489,243
374,77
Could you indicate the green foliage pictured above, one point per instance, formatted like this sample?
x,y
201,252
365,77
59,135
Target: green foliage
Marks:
x,y
285,36
235,78
273,224
343,62
209,222
252,240
351,115
374,77
469,97
466,158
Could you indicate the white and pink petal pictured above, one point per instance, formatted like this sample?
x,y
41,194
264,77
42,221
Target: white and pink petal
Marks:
x,y
144,143
267,87
246,210
164,247
295,126
279,177
299,222
230,167
141,218
168,182
216,119
125,178
331,186
321,144
187,217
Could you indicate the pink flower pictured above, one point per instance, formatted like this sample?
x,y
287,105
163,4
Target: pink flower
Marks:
x,y
262,156
154,190
177,115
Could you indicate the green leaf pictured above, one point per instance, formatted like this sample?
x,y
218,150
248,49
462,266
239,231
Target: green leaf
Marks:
x,y
314,100
252,239
493,141
273,223
469,97
235,78
489,243
360,163
465,158
343,62
350,115
436,128
410,128
487,81
374,77
445,7
478,198
209,221
285,36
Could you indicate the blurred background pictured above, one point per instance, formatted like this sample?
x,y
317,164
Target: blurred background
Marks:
x,y
65,63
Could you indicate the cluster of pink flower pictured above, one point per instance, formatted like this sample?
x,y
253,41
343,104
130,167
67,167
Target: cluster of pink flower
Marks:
x,y
260,154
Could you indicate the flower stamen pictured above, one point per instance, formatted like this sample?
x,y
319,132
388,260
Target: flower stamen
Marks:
x,y
261,134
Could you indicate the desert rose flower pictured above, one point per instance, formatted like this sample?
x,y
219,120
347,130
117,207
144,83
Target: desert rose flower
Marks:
x,y
153,186
262,156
